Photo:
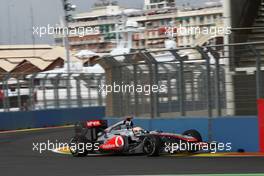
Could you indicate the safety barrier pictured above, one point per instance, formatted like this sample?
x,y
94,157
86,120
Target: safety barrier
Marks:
x,y
261,124
48,118
241,131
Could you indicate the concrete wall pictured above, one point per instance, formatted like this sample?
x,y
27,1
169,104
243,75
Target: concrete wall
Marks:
x,y
242,132
245,94
45,118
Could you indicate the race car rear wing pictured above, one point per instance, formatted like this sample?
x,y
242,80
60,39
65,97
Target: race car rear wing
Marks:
x,y
90,128
96,124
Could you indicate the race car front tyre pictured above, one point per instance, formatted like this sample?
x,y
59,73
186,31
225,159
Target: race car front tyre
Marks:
x,y
151,145
77,146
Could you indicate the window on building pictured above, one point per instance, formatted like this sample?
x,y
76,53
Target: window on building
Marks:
x,y
112,28
208,19
160,6
154,1
188,40
155,24
180,22
187,20
201,19
162,22
180,40
141,24
142,42
168,21
153,6
215,16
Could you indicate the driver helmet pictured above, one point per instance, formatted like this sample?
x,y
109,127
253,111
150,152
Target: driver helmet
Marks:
x,y
137,130
128,122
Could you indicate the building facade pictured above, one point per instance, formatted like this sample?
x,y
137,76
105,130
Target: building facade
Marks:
x,y
158,4
107,18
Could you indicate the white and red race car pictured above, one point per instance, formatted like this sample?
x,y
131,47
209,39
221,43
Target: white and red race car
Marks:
x,y
95,137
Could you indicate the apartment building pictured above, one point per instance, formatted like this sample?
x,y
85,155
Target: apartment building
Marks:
x,y
158,4
108,18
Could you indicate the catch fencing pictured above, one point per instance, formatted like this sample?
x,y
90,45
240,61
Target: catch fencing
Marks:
x,y
42,91
194,81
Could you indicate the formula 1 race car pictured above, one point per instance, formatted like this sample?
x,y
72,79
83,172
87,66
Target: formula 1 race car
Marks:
x,y
95,137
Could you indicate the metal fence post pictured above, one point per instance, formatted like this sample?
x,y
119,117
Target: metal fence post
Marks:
x,y
44,91
169,92
32,93
192,90
208,81
121,94
135,77
156,94
152,108
217,80
141,99
258,73
89,91
6,102
181,80
182,88
19,94
78,91
68,82
153,80
56,90
99,93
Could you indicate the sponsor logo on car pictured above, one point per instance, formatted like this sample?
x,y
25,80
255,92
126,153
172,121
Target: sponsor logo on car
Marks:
x,y
115,143
94,123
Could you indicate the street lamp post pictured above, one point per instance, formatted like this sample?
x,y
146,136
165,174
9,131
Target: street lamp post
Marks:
x,y
68,7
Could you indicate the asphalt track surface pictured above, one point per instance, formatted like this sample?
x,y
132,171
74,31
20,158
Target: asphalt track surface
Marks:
x,y
18,158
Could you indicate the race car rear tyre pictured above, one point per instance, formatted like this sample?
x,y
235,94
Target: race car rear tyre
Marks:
x,y
151,145
193,133
77,146
196,135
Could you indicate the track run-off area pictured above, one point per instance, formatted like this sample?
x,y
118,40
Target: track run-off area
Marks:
x,y
18,157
